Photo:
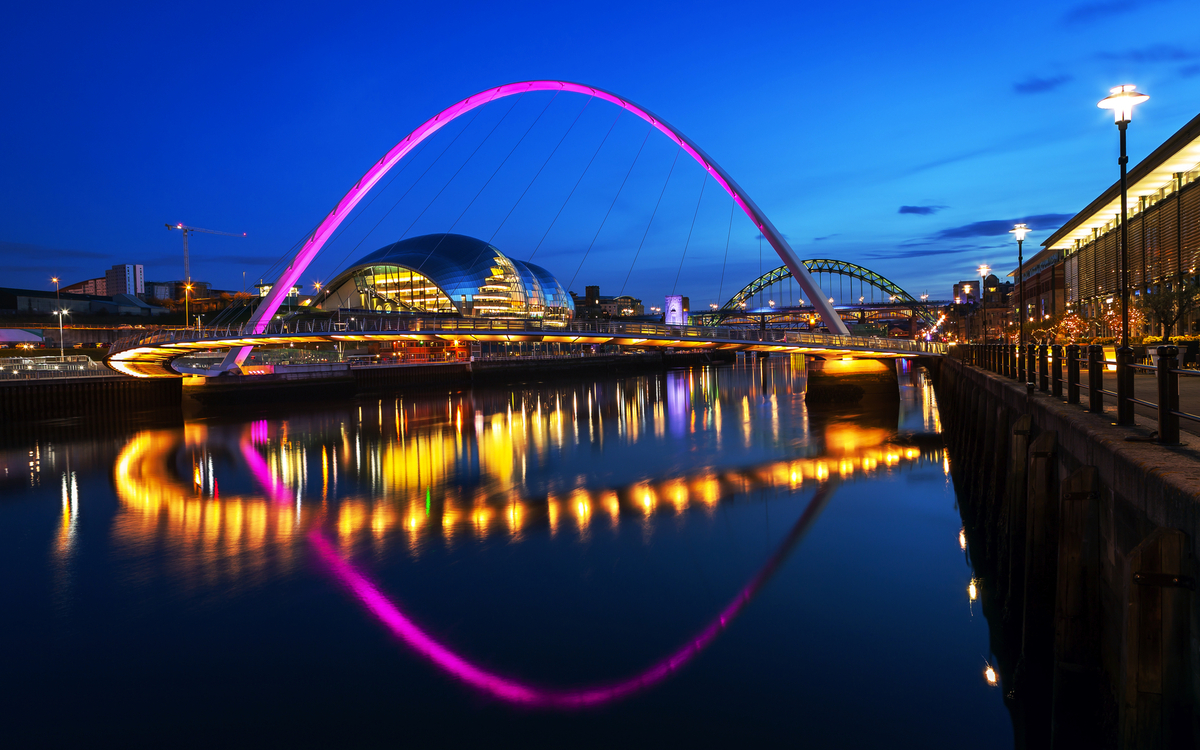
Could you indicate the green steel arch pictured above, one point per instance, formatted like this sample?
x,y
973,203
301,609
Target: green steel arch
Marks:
x,y
826,265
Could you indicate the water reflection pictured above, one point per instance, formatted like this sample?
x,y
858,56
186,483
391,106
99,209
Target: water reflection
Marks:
x,y
227,504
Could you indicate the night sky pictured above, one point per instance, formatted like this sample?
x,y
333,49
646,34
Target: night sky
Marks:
x,y
904,137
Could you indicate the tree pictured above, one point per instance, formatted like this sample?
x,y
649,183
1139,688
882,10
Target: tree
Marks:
x,y
1169,306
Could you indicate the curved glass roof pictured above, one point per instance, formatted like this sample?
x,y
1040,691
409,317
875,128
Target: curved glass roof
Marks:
x,y
478,279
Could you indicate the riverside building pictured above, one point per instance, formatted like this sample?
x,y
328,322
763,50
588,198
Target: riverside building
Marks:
x,y
1080,263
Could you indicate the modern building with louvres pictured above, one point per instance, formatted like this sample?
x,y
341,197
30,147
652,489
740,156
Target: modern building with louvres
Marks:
x,y
1080,262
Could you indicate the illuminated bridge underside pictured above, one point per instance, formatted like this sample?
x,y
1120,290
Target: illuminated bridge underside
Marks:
x,y
820,265
153,356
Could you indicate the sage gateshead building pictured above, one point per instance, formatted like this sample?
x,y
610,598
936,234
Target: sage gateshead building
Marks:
x,y
1079,268
448,274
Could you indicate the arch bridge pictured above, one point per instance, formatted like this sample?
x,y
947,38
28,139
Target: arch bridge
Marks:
x,y
150,353
736,305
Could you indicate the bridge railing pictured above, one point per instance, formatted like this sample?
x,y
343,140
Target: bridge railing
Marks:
x,y
581,329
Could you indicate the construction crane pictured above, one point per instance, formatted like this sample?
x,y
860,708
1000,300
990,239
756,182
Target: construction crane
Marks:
x,y
187,269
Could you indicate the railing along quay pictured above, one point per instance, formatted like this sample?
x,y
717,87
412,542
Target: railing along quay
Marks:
x,y
473,326
47,368
1041,367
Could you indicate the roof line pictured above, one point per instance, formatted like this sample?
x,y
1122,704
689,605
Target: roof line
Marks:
x,y
1157,157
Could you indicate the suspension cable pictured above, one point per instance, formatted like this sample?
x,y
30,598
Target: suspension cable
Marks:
x,y
459,170
688,242
728,234
610,206
479,192
581,176
539,171
652,215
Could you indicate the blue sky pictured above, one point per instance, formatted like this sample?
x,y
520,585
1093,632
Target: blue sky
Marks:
x,y
903,138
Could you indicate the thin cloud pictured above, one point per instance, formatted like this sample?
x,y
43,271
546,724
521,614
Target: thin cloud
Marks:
x,y
826,237
996,227
920,210
1035,85
1097,11
1153,54
1189,71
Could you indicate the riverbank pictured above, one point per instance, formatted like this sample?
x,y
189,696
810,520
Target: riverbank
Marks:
x,y
1084,549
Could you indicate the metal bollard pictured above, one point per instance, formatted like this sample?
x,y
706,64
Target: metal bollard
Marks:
x,y
1043,369
1056,352
1031,364
1012,361
1020,354
1095,378
1073,373
1168,395
1124,386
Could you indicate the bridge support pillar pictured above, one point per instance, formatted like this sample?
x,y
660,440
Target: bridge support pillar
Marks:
x,y
868,382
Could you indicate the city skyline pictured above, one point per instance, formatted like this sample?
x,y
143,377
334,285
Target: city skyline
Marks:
x,y
855,147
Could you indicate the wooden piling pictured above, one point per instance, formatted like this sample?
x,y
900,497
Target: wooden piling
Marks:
x,y
1077,679
1157,710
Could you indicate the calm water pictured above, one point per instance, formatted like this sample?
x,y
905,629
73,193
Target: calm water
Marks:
x,y
690,558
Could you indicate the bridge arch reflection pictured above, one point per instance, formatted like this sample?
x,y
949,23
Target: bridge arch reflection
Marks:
x,y
152,482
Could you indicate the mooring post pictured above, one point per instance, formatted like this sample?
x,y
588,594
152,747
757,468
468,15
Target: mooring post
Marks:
x,y
1095,378
1072,373
1056,352
1124,386
1156,709
1077,692
1168,395
1043,369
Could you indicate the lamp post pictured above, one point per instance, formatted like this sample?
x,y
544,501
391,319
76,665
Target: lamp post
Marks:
x,y
187,288
57,296
983,271
1020,230
61,345
1121,100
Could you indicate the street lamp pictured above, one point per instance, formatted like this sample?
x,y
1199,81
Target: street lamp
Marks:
x,y
57,296
1020,230
983,270
1121,100
61,346
186,311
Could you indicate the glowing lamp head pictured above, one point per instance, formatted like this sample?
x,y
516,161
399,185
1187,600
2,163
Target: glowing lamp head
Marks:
x,y
984,270
989,674
1121,100
1019,231
54,279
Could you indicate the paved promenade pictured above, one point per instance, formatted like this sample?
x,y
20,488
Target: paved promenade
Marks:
x,y
1145,387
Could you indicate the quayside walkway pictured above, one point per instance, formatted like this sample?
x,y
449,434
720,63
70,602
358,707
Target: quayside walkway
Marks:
x,y
150,353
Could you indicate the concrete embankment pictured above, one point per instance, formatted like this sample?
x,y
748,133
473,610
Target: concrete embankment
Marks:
x,y
77,397
1084,550
27,401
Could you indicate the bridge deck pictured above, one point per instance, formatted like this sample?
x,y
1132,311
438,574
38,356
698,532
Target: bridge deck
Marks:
x,y
149,354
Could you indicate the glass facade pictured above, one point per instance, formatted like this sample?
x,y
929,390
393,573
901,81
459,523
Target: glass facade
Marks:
x,y
448,273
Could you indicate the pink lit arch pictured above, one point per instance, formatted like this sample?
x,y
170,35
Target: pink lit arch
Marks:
x,y
324,231
504,687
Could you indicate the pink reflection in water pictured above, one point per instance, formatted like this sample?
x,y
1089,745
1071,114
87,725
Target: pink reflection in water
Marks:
x,y
506,688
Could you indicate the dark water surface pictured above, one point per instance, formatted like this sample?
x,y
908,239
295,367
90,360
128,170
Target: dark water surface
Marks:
x,y
689,558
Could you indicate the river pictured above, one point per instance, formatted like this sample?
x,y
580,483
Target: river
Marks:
x,y
684,558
